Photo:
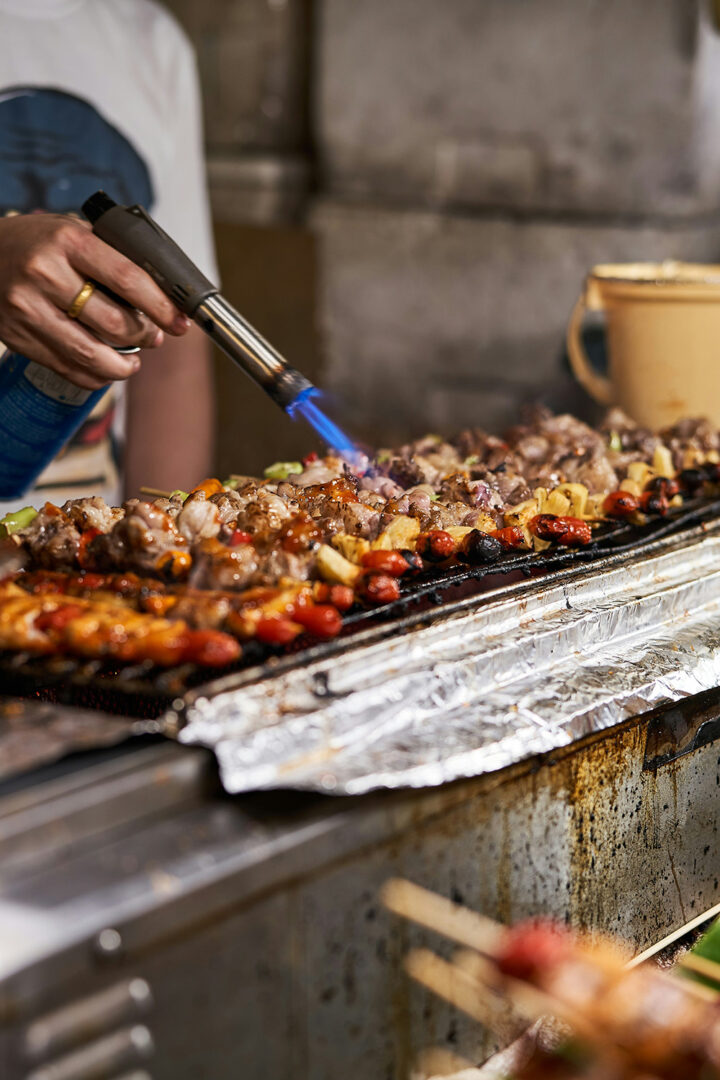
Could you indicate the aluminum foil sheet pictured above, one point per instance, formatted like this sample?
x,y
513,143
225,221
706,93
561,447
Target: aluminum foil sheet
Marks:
x,y
486,684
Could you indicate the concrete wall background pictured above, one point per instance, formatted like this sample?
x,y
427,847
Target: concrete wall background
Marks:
x,y
408,193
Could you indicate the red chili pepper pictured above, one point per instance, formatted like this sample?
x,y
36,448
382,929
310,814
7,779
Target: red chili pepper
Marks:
x,y
211,648
59,618
563,530
239,536
436,545
275,630
620,504
83,555
386,562
310,458
321,620
380,589
510,537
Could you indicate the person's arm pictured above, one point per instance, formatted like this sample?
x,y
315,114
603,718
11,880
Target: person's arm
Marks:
x,y
170,416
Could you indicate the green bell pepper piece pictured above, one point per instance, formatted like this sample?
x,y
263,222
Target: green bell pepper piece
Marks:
x,y
282,469
16,520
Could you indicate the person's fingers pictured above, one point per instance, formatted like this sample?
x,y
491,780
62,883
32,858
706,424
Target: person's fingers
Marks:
x,y
33,349
55,278
117,325
77,353
93,258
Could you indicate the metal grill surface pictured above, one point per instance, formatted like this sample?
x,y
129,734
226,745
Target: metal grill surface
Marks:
x,y
145,691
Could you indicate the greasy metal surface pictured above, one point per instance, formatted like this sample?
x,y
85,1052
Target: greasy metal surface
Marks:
x,y
33,733
256,920
475,686
690,724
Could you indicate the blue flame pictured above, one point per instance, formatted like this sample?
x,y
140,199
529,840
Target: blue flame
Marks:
x,y
304,405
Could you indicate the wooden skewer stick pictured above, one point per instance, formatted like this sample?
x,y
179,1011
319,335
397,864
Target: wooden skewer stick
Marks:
x,y
155,491
449,982
502,1016
457,986
451,920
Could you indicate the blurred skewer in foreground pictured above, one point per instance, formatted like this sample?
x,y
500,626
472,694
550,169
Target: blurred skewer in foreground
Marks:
x,y
615,1022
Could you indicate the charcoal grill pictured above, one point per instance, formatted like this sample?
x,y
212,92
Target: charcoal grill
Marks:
x,y
152,926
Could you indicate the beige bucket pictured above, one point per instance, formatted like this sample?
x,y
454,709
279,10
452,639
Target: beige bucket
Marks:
x,y
663,335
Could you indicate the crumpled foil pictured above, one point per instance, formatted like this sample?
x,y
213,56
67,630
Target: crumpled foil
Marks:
x,y
487,683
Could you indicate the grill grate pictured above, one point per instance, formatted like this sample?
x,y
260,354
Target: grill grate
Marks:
x,y
146,691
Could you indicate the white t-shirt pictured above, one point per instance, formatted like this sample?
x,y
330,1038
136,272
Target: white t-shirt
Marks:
x,y
100,94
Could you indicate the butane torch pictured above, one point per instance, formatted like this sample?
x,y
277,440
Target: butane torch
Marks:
x,y
131,231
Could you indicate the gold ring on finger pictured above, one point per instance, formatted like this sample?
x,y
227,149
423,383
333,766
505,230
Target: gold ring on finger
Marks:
x,y
81,300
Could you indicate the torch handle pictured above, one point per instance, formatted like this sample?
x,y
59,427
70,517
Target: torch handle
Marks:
x,y
132,232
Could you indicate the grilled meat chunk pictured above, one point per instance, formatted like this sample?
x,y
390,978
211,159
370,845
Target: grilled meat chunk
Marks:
x,y
199,518
144,540
92,513
52,539
216,566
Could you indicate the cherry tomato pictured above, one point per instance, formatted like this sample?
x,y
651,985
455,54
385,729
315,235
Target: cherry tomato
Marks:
x,y
274,630
412,559
563,530
436,545
239,536
211,648
380,589
340,596
478,547
510,537
620,504
653,502
665,485
321,620
387,562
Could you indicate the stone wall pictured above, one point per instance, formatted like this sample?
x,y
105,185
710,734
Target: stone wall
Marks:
x,y
453,169
599,106
435,322
254,62
476,158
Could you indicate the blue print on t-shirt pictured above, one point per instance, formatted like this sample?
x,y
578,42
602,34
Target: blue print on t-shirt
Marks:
x,y
56,149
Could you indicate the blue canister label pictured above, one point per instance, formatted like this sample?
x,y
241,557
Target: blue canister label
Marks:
x,y
39,412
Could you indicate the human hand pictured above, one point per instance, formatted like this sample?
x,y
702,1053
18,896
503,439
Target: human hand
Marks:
x,y
45,259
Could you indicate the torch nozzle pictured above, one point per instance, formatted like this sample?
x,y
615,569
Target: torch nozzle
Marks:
x,y
250,351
